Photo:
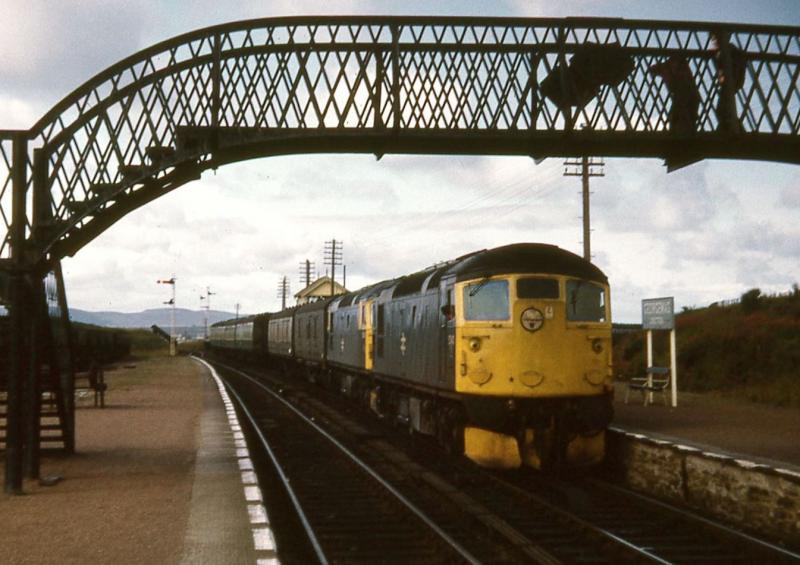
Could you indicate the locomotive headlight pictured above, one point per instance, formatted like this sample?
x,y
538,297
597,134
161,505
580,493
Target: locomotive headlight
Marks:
x,y
474,344
597,345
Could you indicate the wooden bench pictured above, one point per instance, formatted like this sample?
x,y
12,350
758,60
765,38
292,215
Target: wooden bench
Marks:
x,y
92,380
656,379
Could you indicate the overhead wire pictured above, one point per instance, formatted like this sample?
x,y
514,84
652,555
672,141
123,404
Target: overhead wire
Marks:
x,y
508,191
500,196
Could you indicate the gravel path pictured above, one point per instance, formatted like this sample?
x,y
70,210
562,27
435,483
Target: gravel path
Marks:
x,y
126,493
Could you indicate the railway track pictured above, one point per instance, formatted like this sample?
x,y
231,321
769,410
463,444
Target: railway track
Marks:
x,y
348,513
665,533
390,499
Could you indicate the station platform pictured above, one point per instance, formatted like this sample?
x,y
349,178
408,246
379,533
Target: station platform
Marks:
x,y
161,475
754,432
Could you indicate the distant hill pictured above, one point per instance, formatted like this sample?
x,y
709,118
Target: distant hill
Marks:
x,y
145,319
749,348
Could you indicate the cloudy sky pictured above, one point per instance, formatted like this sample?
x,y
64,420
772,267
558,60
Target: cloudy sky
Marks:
x,y
707,232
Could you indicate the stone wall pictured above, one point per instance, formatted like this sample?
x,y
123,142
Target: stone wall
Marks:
x,y
756,497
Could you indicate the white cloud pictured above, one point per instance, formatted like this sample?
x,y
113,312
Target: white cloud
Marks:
x,y
16,113
49,48
790,196
21,29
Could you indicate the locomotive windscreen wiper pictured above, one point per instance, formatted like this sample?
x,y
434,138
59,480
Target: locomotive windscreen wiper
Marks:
x,y
477,288
573,297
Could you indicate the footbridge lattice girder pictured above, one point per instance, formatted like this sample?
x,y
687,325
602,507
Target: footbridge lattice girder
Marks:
x,y
406,85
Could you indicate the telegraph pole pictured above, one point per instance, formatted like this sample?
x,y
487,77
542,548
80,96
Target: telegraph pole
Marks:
x,y
333,257
306,267
585,168
283,290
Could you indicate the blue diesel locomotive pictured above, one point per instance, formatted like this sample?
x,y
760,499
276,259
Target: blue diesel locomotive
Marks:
x,y
502,354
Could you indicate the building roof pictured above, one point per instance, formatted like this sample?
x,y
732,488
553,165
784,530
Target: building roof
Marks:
x,y
320,288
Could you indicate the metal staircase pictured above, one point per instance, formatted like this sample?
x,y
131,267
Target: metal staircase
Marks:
x,y
53,425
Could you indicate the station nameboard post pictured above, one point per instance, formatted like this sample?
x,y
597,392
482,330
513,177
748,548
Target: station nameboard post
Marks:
x,y
659,314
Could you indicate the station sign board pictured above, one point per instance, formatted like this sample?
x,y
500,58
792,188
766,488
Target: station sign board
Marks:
x,y
658,313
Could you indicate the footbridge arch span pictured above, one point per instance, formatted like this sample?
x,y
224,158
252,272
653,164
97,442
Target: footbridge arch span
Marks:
x,y
538,87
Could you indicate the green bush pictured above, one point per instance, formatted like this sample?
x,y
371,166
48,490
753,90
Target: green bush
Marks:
x,y
145,342
750,350
750,300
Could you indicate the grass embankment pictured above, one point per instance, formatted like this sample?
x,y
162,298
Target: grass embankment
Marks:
x,y
748,350
144,343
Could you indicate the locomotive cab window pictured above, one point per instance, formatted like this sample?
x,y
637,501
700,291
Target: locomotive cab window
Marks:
x,y
537,288
586,302
486,300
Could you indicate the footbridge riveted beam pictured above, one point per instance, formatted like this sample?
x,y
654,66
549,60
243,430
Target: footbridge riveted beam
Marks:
x,y
540,87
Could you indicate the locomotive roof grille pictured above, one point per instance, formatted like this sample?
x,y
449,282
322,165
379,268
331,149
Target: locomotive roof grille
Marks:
x,y
411,284
376,289
437,276
347,300
314,306
446,269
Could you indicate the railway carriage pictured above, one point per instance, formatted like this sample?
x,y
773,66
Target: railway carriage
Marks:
x,y
280,333
309,333
260,342
236,334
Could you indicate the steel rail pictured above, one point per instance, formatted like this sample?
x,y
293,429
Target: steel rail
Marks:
x,y
278,468
589,527
757,545
462,551
705,522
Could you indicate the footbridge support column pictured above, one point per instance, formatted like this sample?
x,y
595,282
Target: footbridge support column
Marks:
x,y
19,317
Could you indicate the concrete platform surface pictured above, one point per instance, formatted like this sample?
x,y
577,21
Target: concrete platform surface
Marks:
x,y
157,478
760,433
